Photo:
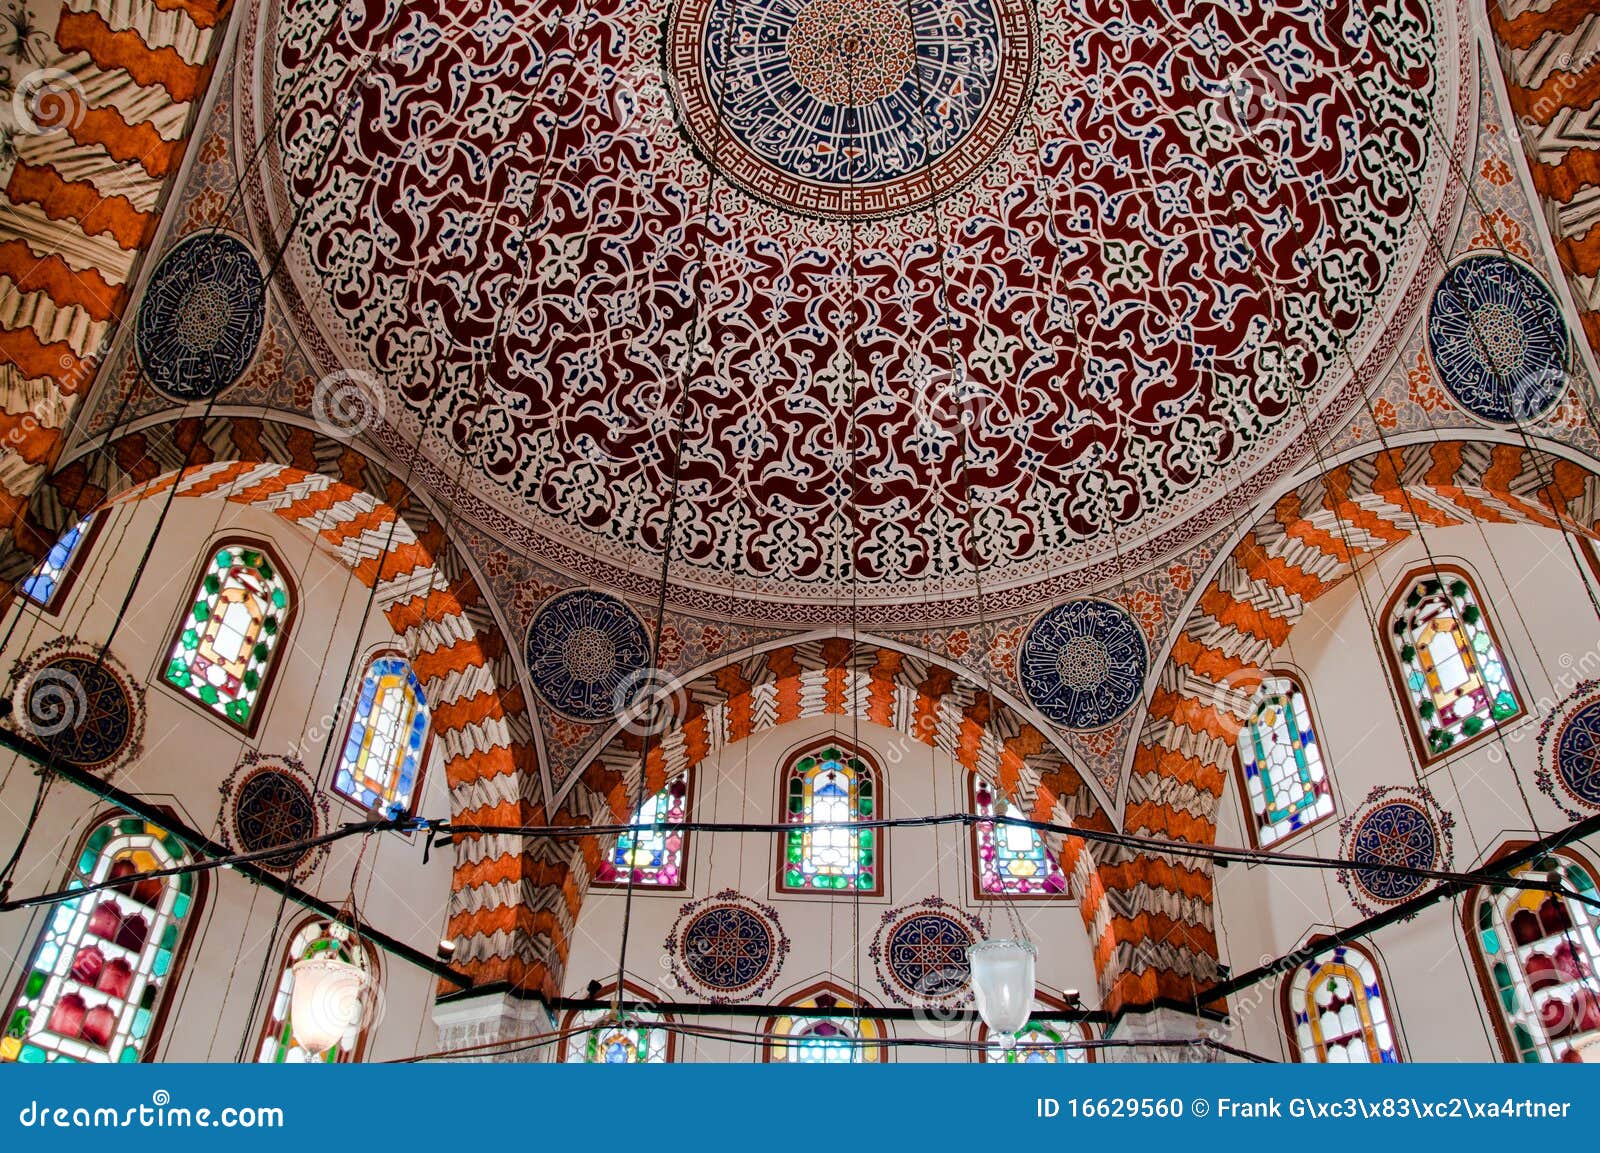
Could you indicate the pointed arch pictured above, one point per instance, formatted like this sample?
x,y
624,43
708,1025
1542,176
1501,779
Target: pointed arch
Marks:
x,y
852,1037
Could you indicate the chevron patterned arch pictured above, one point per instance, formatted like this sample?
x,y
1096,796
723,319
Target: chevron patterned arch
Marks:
x,y
347,503
913,693
1303,545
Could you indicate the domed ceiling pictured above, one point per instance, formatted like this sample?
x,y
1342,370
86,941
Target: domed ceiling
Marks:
x,y
1141,246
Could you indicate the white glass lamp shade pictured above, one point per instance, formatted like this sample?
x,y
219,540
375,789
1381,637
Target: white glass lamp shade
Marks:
x,y
328,1002
1002,984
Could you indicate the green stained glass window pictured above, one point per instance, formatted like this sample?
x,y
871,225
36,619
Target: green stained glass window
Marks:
x,y
315,938
1452,672
1285,780
1540,952
101,969
597,1037
225,644
655,857
831,787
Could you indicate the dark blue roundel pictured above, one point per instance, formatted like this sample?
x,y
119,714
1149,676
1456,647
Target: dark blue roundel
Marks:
x,y
727,948
1396,833
201,317
1083,663
587,653
1578,754
1498,339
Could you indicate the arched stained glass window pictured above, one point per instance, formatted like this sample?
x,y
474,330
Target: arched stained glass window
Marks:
x,y
840,1037
831,786
596,1037
47,584
315,938
1283,777
1447,661
101,971
1537,955
1041,1042
1010,860
656,857
239,613
381,763
1336,1011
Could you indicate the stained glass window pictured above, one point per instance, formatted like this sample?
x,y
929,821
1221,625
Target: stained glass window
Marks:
x,y
388,735
1538,954
1337,1012
316,938
597,1037
53,574
224,648
810,1039
830,786
656,856
1285,781
101,970
1450,667
1011,860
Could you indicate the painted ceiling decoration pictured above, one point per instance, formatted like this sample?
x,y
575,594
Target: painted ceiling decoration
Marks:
x,y
200,317
269,801
1083,663
1572,758
81,704
1498,339
1395,825
1128,300
586,653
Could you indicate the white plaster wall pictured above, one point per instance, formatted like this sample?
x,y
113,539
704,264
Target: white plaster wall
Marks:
x,y
1535,595
829,936
187,755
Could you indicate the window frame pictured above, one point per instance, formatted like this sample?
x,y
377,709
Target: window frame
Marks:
x,y
631,992
350,722
1426,757
1243,784
287,960
975,869
786,769
774,1042
175,632
180,955
682,884
1050,1004
75,563
1317,948
1489,992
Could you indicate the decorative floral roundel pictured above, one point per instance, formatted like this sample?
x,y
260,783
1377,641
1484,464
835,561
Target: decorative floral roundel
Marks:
x,y
850,107
1395,826
1573,757
82,707
920,952
1498,339
272,801
727,947
201,316
1083,663
586,654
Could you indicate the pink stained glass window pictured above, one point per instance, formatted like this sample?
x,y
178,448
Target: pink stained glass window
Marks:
x,y
655,856
1011,860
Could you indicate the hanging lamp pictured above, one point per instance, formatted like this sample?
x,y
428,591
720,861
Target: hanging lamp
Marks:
x,y
1003,985
328,1002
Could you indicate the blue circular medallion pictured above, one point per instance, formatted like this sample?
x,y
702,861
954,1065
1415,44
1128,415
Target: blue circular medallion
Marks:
x,y
727,949
587,654
1083,663
926,955
201,317
1498,339
80,710
1577,755
851,107
1394,833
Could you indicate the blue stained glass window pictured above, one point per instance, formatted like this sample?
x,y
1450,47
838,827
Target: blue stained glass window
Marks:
x,y
808,1039
50,575
1285,781
1338,1014
1011,860
381,761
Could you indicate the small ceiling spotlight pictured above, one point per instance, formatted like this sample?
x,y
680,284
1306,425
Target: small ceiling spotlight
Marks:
x,y
1071,997
447,948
